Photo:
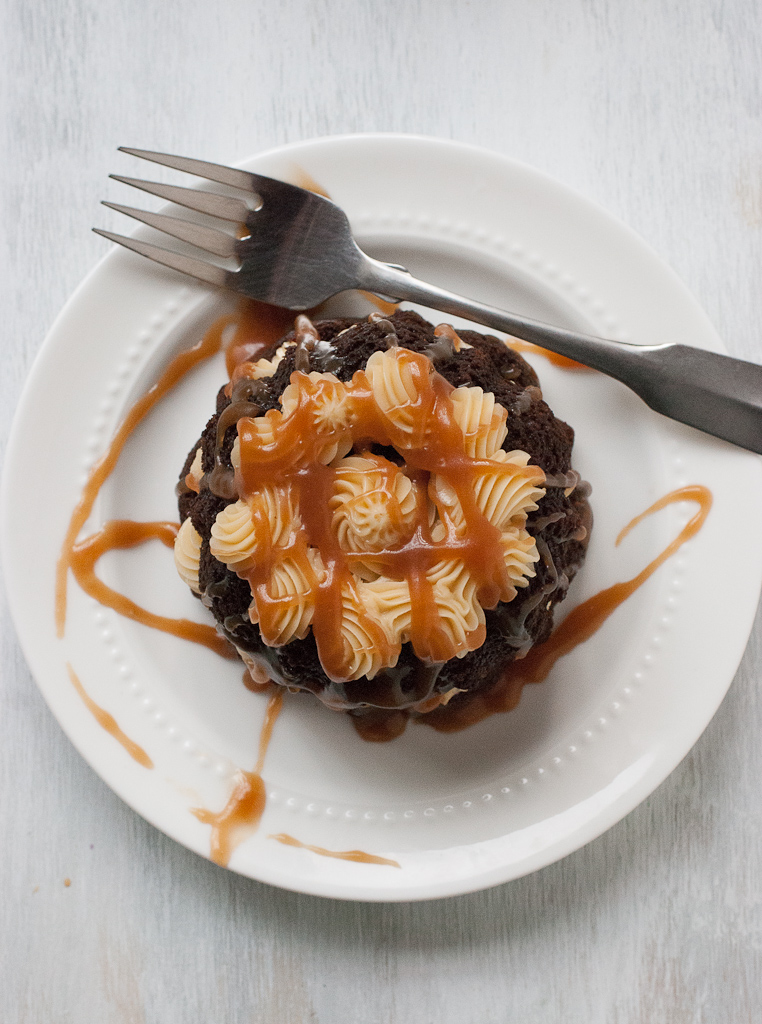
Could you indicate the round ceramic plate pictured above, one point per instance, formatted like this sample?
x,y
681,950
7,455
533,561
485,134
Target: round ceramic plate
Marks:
x,y
457,812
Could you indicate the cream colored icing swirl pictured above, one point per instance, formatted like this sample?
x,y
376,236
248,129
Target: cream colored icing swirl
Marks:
x,y
234,539
460,614
363,657
502,496
196,471
291,589
330,412
396,392
373,504
188,554
245,529
481,419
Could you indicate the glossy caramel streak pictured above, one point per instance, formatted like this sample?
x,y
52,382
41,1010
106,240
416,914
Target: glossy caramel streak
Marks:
x,y
180,365
258,325
385,307
124,533
238,818
358,856
553,357
302,179
581,623
241,815
274,705
108,722
588,617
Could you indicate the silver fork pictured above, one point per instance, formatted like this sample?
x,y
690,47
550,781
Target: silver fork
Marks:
x,y
297,250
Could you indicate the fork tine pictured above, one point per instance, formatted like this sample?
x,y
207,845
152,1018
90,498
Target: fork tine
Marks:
x,y
202,168
259,184
185,264
210,239
224,207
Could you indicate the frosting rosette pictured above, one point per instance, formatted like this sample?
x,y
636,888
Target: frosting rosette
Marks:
x,y
373,504
188,555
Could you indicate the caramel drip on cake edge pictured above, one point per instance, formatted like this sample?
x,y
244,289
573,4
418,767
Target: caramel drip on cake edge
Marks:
x,y
258,326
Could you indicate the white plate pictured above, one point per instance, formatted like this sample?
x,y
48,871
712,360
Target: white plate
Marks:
x,y
458,812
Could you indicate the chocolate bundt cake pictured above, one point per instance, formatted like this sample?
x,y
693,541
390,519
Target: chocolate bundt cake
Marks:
x,y
383,513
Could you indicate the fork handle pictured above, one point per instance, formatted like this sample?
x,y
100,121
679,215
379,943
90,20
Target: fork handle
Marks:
x,y
715,393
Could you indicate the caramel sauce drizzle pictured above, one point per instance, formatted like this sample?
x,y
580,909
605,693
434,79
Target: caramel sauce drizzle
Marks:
x,y
435,445
242,813
384,306
255,685
125,533
108,722
553,357
177,369
302,179
258,325
358,856
578,626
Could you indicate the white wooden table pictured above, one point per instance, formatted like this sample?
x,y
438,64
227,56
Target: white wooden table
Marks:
x,y
653,109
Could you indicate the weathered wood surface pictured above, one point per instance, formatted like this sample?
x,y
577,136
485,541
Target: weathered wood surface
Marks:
x,y
653,109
